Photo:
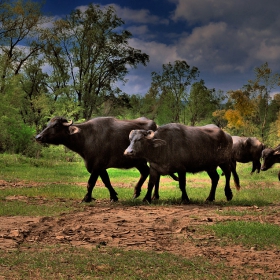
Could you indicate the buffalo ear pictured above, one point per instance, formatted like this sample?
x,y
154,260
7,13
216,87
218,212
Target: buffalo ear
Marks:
x,y
158,142
276,153
73,129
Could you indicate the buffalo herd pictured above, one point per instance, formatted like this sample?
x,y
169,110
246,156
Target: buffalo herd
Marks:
x,y
106,142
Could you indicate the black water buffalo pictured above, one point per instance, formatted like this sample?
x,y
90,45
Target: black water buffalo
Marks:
x,y
270,157
178,148
246,149
100,142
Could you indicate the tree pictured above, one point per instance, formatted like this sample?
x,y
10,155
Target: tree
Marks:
x,y
172,86
241,112
89,52
36,105
201,103
20,35
260,89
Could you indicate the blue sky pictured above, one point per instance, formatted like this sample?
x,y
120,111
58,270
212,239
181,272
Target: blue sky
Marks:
x,y
226,40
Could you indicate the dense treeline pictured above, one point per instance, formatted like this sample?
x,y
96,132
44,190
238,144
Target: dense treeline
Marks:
x,y
70,67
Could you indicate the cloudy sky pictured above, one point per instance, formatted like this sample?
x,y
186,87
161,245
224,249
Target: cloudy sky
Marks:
x,y
226,40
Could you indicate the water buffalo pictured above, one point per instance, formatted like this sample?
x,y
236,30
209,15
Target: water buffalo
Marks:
x,y
178,148
246,149
100,142
270,157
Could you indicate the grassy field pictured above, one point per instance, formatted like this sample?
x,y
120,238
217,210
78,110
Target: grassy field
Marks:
x,y
63,185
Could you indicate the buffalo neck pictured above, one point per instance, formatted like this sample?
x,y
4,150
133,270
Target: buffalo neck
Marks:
x,y
153,154
76,143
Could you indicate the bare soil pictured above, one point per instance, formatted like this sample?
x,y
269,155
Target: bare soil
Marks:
x,y
156,228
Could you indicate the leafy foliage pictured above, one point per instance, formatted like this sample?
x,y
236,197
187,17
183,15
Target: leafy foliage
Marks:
x,y
72,67
89,52
172,87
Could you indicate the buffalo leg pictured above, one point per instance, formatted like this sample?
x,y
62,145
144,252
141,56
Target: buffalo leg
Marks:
x,y
235,176
182,185
227,169
91,183
256,166
213,174
144,171
106,180
156,191
154,177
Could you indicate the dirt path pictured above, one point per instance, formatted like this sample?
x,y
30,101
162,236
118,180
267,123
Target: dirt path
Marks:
x,y
162,229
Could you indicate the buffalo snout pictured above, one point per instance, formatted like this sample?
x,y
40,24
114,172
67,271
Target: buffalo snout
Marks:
x,y
38,138
128,152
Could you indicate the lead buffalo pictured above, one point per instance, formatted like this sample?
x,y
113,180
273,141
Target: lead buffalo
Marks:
x,y
178,148
100,142
246,149
270,157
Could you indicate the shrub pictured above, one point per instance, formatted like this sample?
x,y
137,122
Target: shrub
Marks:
x,y
17,137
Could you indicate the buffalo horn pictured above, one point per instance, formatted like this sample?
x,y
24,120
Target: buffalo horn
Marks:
x,y
150,134
68,123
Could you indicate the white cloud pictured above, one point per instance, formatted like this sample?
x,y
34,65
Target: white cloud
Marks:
x,y
268,52
207,47
137,84
226,40
142,16
138,16
256,13
139,30
159,53
229,35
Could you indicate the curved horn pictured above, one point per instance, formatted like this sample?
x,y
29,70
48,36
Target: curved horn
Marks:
x,y
150,134
68,123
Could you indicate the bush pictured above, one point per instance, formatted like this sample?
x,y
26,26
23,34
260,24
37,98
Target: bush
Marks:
x,y
17,138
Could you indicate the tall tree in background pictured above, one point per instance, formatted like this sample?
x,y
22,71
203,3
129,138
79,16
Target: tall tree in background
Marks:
x,y
36,105
241,112
20,33
260,90
89,53
172,87
201,103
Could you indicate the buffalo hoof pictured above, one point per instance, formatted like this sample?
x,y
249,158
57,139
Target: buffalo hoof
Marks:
x,y
209,199
185,201
135,195
88,199
237,187
155,197
147,199
114,199
229,196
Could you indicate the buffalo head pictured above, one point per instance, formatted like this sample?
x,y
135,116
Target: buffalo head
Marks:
x,y
141,141
269,156
57,131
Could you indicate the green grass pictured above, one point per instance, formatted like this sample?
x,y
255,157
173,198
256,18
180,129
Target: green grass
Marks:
x,y
52,186
249,234
18,168
56,178
64,262
21,208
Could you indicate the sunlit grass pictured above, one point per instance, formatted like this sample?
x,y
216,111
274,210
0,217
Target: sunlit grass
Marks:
x,y
249,234
60,179
36,209
50,187
65,262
